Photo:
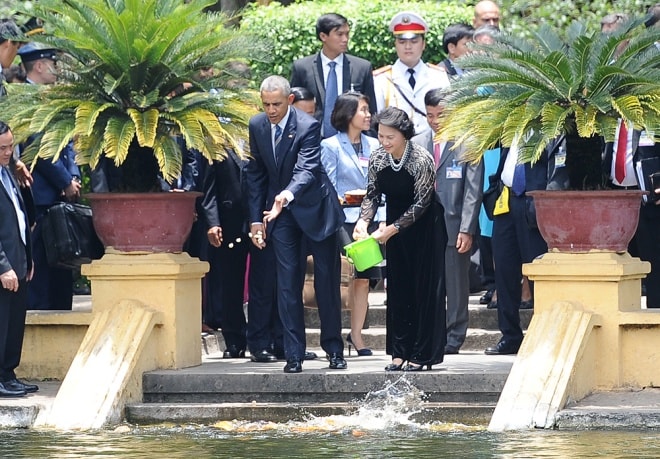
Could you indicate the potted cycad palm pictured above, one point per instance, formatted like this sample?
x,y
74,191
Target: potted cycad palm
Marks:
x,y
129,91
578,85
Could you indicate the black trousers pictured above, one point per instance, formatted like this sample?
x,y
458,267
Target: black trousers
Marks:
x,y
264,328
225,285
648,247
13,307
514,242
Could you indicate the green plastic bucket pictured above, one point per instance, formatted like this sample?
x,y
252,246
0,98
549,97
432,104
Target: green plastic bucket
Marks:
x,y
364,253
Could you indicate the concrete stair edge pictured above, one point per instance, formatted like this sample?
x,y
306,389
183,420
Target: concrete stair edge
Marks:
x,y
151,413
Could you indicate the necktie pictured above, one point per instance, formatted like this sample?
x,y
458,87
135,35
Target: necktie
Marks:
x,y
330,99
621,150
6,182
276,143
518,183
411,80
436,153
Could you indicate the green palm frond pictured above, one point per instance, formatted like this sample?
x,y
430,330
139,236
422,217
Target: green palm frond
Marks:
x,y
165,150
146,123
117,138
541,88
121,76
86,116
92,144
56,138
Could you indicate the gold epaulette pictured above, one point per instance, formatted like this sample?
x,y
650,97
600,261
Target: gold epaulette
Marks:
x,y
380,70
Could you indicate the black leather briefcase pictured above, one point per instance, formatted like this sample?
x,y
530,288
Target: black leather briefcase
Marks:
x,y
69,237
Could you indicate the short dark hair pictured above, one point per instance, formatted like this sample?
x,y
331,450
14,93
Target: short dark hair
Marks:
x,y
346,107
433,97
489,30
10,31
4,128
329,22
302,93
14,74
455,33
398,119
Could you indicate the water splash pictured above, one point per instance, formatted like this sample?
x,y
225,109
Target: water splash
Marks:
x,y
391,408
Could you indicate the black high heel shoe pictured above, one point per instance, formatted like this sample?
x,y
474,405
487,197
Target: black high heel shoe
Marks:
x,y
395,367
415,367
364,352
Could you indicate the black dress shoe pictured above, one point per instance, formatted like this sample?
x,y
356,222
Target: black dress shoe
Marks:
x,y
492,305
502,348
395,366
487,297
310,356
337,361
529,304
17,384
416,367
233,352
263,357
7,392
293,366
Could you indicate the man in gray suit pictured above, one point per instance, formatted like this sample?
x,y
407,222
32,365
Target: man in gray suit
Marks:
x,y
459,188
332,64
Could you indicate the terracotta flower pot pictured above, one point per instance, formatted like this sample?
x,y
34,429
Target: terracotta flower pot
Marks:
x,y
143,222
584,221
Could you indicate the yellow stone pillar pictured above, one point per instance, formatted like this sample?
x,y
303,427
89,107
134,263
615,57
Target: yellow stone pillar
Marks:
x,y
605,284
146,314
588,333
165,282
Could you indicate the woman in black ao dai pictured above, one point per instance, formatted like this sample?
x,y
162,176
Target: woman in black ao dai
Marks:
x,y
415,237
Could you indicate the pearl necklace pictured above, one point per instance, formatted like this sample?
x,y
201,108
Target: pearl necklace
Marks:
x,y
397,167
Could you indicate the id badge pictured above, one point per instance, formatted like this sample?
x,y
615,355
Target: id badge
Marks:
x,y
560,157
454,172
364,161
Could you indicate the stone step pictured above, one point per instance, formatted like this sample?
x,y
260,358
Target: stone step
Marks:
x,y
374,337
323,386
480,316
242,381
208,413
464,388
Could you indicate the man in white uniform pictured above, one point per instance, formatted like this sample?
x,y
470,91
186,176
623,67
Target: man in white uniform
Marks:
x,y
404,84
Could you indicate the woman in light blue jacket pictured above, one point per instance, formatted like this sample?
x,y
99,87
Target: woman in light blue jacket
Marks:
x,y
345,157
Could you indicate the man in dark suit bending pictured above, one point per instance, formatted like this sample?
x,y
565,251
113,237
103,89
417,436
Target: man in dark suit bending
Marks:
x,y
290,196
15,271
332,72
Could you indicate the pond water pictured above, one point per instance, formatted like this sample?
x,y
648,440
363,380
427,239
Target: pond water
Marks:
x,y
402,442
382,427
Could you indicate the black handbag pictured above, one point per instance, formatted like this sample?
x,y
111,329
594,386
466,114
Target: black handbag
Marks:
x,y
69,237
491,194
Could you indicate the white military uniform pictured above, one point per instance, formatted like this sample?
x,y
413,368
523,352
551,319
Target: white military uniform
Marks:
x,y
392,88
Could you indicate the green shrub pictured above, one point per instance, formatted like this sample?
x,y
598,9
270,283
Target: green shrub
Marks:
x,y
521,16
291,29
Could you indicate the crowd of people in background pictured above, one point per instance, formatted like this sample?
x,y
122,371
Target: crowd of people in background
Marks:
x,y
415,203
334,126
